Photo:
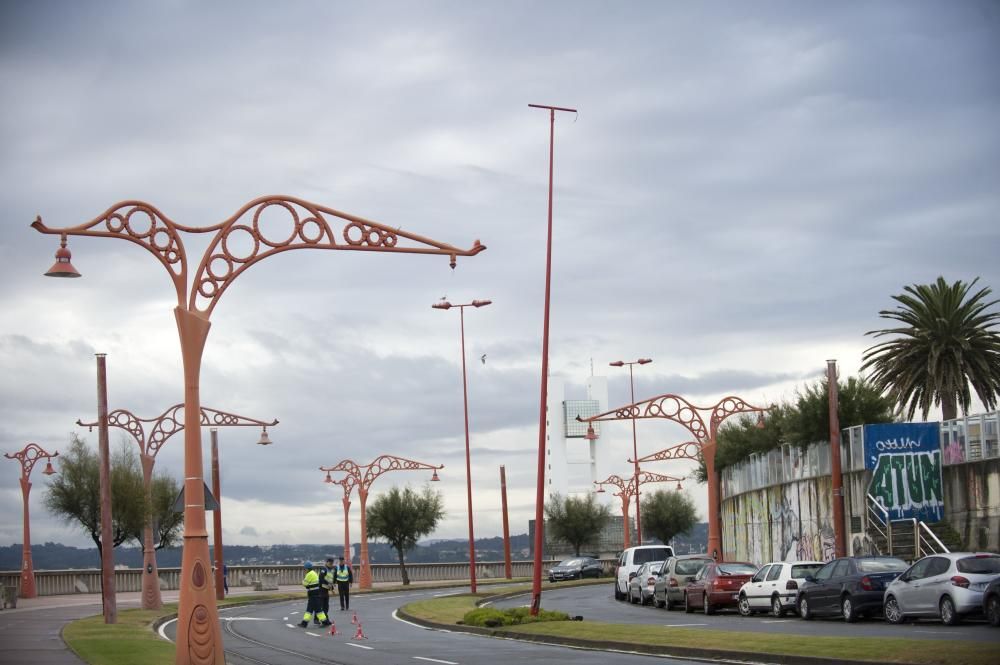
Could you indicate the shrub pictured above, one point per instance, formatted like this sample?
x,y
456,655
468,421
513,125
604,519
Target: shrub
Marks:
x,y
490,617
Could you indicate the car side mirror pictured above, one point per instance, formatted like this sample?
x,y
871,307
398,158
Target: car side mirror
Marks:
x,y
810,578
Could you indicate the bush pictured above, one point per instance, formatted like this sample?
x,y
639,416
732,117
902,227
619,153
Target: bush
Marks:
x,y
490,617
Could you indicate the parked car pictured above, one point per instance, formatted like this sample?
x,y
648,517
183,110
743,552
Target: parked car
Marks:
x,y
640,587
991,602
775,587
630,560
716,586
675,573
945,586
575,569
851,587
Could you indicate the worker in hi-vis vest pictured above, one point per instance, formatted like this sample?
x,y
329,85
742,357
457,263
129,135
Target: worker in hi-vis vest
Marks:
x,y
314,608
344,576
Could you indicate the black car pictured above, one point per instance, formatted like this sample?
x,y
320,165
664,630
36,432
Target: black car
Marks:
x,y
851,587
991,602
576,568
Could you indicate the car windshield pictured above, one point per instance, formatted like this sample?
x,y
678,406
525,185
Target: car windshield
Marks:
x,y
980,565
805,570
648,554
736,569
571,562
690,566
881,565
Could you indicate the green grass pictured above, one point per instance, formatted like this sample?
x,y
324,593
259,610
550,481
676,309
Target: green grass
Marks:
x,y
127,642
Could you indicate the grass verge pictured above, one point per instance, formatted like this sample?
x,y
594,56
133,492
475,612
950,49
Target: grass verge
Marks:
x,y
734,644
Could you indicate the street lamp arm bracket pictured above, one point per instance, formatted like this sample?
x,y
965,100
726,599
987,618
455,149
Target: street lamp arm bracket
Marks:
x,y
28,455
729,406
668,406
686,450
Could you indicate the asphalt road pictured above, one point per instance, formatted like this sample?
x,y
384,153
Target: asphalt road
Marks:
x,y
598,603
268,635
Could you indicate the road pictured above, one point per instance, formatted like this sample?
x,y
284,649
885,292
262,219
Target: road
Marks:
x,y
597,603
268,635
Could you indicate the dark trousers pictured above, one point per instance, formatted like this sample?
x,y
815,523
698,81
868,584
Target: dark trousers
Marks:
x,y
344,590
324,596
314,605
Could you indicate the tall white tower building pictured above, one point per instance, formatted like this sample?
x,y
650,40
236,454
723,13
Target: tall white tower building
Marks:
x,y
574,462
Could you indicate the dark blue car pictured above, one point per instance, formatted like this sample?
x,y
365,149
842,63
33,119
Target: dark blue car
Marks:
x,y
851,587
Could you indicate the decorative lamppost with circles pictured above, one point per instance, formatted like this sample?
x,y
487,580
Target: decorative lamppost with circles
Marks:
x,y
28,456
628,489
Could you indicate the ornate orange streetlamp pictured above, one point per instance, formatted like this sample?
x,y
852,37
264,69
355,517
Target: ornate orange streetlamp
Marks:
x,y
199,637
444,304
348,483
536,575
27,456
364,475
629,488
679,410
163,427
635,451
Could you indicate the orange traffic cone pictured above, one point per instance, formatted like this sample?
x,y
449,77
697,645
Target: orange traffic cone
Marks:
x,y
360,635
333,628
354,619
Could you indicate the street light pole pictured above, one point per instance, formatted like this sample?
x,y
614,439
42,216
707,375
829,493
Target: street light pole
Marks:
x,y
108,598
508,572
162,428
199,635
364,475
677,409
347,482
445,305
536,575
635,451
27,456
220,587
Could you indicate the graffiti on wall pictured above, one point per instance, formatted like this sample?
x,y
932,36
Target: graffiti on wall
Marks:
x,y
905,459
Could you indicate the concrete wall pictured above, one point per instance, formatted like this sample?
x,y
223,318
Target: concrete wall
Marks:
x,y
972,502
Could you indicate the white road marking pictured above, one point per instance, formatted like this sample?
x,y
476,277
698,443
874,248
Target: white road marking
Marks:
x,y
435,660
776,620
293,613
410,623
312,634
439,595
360,646
246,619
162,627
682,625
290,625
284,618
377,596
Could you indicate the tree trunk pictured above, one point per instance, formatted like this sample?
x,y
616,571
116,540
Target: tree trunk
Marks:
x,y
402,567
949,407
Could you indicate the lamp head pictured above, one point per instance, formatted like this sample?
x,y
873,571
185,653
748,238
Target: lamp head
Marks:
x,y
679,486
264,440
645,361
599,490
617,363
591,434
62,267
328,478
48,468
434,477
481,303
760,421
444,304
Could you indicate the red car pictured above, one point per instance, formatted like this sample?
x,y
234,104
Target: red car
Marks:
x,y
717,586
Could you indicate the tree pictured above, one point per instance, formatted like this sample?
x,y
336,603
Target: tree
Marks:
x,y
74,495
666,514
945,344
167,523
401,517
577,521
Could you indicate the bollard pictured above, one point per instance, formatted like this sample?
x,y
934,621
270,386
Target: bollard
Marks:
x,y
333,628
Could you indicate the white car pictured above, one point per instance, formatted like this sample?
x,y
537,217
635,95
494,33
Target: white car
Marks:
x,y
640,587
948,586
630,560
774,587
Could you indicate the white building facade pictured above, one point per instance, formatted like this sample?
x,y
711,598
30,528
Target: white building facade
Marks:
x,y
573,462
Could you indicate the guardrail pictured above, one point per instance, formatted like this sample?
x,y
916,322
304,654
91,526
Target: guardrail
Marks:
x,y
65,582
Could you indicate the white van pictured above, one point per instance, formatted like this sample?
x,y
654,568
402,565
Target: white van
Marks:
x,y
630,560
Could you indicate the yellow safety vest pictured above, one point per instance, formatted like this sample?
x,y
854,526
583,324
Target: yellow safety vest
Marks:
x,y
311,580
343,574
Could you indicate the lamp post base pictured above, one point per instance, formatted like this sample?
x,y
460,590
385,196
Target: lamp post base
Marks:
x,y
199,637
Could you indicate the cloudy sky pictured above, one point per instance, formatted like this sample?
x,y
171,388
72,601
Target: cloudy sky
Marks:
x,y
744,188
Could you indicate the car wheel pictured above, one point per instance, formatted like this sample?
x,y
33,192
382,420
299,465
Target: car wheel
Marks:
x,y
993,610
893,613
618,594
777,609
949,616
804,610
847,609
659,603
687,605
667,603
744,605
632,599
706,607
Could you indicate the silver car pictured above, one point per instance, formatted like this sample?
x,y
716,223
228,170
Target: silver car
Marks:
x,y
676,572
775,587
640,586
948,586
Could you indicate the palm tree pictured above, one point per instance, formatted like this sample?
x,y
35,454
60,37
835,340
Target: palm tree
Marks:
x,y
946,344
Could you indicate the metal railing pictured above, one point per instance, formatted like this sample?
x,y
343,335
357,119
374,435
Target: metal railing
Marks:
x,y
879,522
928,542
925,542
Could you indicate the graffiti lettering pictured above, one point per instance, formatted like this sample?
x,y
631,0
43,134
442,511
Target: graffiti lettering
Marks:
x,y
909,485
897,444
